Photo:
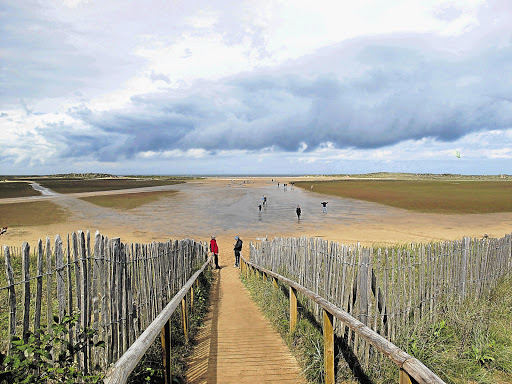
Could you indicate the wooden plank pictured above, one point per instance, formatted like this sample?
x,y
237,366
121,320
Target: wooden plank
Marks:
x,y
70,308
12,292
328,333
39,286
122,305
404,377
59,266
95,296
388,306
184,318
368,289
394,298
293,309
49,288
84,288
165,337
114,287
464,269
25,254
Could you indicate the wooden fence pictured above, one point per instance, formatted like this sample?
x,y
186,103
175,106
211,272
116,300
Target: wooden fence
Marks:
x,y
118,288
411,369
387,289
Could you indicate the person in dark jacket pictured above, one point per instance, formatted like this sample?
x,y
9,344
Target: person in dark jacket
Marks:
x,y
298,211
214,248
237,249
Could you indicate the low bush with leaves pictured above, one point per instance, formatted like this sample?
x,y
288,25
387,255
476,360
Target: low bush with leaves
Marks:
x,y
49,357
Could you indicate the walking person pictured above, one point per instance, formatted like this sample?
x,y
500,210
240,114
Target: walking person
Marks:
x,y
214,248
298,211
237,249
259,206
324,204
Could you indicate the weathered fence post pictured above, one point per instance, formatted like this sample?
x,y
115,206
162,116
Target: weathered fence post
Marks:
x,y
12,293
404,378
26,289
184,317
464,269
293,309
165,337
328,331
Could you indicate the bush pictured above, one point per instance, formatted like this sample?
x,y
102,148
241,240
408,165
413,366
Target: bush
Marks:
x,y
48,357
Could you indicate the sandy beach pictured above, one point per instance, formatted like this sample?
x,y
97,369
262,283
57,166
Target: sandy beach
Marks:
x,y
227,207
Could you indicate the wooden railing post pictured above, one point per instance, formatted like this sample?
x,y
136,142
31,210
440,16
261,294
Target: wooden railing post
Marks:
x,y
184,317
264,276
328,347
404,378
274,282
293,309
165,337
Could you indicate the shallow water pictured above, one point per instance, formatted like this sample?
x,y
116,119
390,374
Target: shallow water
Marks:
x,y
200,209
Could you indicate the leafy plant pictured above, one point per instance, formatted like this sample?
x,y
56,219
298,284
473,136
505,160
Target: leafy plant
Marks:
x,y
48,357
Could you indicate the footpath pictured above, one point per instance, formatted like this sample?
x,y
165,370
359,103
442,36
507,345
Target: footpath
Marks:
x,y
237,344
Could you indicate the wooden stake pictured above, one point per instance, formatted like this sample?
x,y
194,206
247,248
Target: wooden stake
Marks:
x,y
293,309
165,337
328,348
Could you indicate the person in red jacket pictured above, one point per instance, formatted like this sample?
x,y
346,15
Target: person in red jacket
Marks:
x,y
214,248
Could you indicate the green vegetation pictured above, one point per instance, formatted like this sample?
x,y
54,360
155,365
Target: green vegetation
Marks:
x,y
72,185
306,342
423,196
423,176
150,368
127,200
16,189
31,214
49,357
471,345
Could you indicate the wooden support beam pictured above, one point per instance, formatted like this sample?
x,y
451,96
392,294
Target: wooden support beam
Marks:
x,y
328,347
293,308
404,378
184,317
165,336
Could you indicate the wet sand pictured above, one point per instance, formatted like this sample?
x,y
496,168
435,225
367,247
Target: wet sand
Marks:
x,y
227,207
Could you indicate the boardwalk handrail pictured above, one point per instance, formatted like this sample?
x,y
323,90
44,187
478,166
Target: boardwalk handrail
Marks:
x,y
410,367
119,372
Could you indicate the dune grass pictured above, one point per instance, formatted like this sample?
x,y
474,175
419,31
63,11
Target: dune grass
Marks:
x,y
446,197
473,345
127,201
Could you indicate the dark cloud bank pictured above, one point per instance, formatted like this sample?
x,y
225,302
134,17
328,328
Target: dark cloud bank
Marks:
x,y
361,94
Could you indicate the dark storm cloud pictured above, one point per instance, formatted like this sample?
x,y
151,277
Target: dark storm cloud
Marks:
x,y
364,94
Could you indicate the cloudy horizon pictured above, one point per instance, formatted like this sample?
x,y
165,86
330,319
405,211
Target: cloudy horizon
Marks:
x,y
270,87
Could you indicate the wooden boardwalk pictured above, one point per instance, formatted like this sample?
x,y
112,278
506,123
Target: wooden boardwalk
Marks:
x,y
237,344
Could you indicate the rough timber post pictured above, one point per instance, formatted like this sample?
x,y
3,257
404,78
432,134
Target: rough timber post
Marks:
x,y
328,347
293,309
165,337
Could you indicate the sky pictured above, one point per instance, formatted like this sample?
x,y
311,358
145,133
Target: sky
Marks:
x,y
255,87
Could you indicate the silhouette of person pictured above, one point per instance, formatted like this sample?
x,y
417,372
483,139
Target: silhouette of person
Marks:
x,y
298,211
237,249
